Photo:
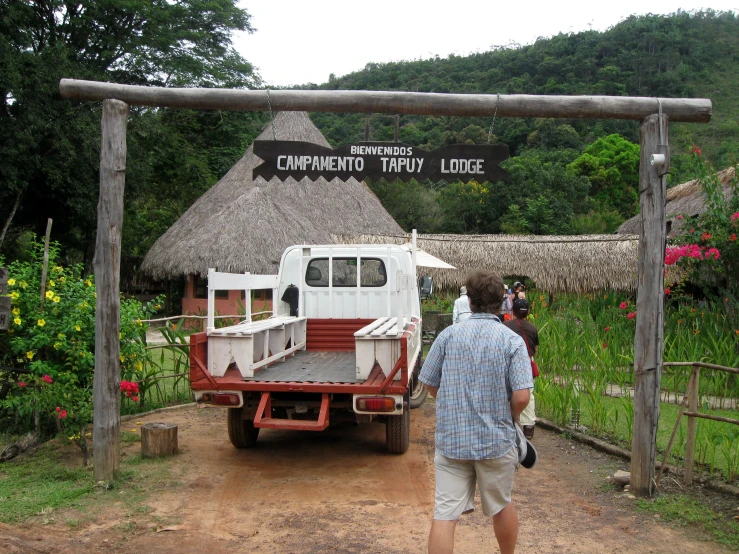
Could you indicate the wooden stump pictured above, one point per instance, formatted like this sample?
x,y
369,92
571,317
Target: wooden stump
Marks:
x,y
158,439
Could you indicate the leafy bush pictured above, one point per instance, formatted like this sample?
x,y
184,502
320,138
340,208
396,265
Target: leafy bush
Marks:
x,y
48,353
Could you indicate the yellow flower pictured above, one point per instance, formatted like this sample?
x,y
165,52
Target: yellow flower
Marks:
x,y
22,284
16,311
56,299
14,295
41,322
52,284
139,366
122,358
49,294
76,327
138,321
57,345
17,321
157,307
88,282
62,279
94,295
29,355
61,336
11,282
57,269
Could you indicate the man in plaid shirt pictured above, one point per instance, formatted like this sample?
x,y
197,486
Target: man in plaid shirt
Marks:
x,y
480,374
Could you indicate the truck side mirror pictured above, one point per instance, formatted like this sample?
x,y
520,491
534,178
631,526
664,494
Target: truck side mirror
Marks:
x,y
425,286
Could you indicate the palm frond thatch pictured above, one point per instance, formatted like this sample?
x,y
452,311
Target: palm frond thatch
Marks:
x,y
685,199
574,263
242,224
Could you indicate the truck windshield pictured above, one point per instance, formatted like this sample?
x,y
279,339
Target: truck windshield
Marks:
x,y
345,272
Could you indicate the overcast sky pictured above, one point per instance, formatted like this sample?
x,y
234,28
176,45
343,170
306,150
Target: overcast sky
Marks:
x,y
304,41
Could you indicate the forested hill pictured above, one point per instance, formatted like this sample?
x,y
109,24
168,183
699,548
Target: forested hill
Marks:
x,y
568,175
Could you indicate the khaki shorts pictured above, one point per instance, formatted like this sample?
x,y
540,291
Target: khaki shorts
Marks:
x,y
456,479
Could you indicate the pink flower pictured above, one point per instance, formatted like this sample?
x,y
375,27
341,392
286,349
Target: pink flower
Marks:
x,y
47,379
62,414
631,315
667,291
58,409
607,329
735,216
680,216
22,384
135,398
695,149
622,305
712,253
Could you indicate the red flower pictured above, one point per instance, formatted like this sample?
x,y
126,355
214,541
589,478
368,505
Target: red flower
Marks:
x,y
732,238
62,414
734,216
607,329
47,379
705,237
605,345
680,216
135,398
692,231
631,315
622,305
58,409
22,384
667,291
695,149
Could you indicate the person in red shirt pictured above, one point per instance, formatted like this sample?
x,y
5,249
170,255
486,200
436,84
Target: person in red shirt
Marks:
x,y
530,334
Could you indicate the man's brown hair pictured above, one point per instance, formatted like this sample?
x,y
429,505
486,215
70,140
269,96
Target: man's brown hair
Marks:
x,y
485,291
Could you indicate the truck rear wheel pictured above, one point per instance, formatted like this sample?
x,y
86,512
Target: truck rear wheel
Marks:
x,y
242,432
398,430
419,392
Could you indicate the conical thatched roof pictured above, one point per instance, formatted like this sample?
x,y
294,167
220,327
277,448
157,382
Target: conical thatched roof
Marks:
x,y
244,225
573,263
686,199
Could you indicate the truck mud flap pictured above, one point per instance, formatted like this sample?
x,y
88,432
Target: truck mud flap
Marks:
x,y
263,417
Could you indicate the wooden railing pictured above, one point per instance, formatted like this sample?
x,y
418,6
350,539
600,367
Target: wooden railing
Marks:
x,y
691,401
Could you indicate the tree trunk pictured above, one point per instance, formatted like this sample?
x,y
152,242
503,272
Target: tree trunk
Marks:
x,y
107,263
11,216
650,300
158,439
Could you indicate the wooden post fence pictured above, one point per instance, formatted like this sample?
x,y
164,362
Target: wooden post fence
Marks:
x,y
649,305
652,182
107,265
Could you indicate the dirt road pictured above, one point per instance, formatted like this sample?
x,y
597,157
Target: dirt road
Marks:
x,y
339,491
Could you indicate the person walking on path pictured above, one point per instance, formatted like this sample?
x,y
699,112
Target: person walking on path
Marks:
x,y
527,331
480,375
461,311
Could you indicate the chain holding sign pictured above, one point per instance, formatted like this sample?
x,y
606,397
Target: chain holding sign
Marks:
x,y
376,160
4,300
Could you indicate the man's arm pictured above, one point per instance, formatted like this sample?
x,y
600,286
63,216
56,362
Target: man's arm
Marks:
x,y
519,400
432,390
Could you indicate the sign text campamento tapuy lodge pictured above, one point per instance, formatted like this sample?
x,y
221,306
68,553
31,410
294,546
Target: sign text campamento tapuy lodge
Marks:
x,y
389,160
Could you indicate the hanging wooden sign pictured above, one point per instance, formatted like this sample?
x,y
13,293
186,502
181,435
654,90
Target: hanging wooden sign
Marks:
x,y
4,300
388,160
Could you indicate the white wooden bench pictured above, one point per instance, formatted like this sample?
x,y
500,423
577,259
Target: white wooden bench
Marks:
x,y
254,344
379,342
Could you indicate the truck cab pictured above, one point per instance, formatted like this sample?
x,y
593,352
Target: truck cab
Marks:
x,y
343,344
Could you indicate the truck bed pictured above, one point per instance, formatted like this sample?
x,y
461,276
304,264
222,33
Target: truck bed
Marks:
x,y
311,367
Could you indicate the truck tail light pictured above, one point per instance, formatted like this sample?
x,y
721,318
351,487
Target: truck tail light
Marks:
x,y
221,398
375,404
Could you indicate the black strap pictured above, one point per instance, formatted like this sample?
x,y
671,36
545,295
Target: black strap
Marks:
x,y
523,334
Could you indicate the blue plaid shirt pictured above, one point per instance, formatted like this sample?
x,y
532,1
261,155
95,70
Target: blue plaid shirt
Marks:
x,y
476,364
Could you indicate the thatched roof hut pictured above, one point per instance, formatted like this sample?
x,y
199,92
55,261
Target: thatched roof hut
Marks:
x,y
686,199
242,224
574,263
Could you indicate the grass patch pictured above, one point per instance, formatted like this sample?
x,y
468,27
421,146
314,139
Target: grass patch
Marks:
x,y
685,511
51,479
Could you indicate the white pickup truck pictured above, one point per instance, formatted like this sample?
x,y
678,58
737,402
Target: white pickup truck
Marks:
x,y
343,344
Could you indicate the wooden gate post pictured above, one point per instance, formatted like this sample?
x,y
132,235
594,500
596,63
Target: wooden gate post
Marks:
x,y
649,306
107,264
692,393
